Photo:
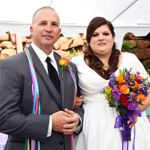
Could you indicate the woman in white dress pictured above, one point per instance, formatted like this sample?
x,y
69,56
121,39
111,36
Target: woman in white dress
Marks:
x,y
98,62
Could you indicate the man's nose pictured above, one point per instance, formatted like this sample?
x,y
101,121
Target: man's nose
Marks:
x,y
49,27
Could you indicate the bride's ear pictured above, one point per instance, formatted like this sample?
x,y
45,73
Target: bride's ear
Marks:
x,y
114,39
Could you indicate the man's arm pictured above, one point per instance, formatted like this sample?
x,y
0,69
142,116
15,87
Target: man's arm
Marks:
x,y
78,102
12,119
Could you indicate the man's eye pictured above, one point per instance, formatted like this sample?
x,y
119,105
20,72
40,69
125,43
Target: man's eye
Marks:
x,y
43,23
54,24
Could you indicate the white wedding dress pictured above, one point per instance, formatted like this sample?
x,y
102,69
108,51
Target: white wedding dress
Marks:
x,y
98,125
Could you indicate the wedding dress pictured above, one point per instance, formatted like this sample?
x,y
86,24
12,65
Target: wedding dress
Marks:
x,y
98,125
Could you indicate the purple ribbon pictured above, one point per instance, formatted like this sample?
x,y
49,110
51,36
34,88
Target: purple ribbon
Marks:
x,y
122,122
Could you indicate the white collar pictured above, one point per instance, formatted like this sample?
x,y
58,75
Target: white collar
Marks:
x,y
42,56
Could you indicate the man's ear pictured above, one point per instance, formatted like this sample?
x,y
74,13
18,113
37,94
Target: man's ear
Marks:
x,y
31,29
60,32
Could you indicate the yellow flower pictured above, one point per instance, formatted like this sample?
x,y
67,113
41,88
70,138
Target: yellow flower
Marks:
x,y
120,78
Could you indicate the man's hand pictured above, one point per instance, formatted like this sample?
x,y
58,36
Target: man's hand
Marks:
x,y
78,102
72,122
59,119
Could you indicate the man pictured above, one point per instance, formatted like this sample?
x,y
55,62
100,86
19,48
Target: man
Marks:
x,y
56,120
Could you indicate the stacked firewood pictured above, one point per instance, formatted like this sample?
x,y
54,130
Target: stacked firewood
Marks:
x,y
70,45
66,43
140,46
11,44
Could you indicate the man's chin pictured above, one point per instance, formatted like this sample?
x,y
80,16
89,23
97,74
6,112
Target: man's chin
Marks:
x,y
48,43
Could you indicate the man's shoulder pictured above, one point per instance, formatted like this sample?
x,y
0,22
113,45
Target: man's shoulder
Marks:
x,y
17,56
15,59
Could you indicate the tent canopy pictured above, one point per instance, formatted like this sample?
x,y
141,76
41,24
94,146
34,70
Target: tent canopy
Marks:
x,y
80,12
126,15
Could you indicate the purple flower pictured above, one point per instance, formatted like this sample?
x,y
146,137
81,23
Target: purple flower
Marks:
x,y
133,105
116,93
112,79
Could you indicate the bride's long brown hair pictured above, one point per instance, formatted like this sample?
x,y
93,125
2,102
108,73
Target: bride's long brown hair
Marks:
x,y
89,56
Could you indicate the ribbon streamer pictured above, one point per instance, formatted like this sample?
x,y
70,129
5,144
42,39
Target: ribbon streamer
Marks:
x,y
75,93
121,122
36,104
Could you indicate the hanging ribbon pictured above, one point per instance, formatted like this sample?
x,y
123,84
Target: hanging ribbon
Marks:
x,y
74,80
121,122
36,104
33,144
75,93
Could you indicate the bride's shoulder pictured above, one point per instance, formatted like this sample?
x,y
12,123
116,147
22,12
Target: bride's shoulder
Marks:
x,y
77,59
127,55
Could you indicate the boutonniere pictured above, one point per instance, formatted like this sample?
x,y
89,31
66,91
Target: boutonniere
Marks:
x,y
63,63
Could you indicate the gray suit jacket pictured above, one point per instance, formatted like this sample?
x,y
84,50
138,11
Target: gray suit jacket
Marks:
x,y
16,118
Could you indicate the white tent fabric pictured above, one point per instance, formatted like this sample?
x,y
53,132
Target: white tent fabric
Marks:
x,y
80,12
17,11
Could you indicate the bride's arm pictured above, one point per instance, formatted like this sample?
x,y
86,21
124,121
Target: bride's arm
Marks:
x,y
146,103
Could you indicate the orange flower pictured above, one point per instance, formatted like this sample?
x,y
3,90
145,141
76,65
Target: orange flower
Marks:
x,y
140,97
124,89
136,85
63,63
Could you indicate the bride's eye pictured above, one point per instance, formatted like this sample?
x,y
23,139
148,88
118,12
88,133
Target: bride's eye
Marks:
x,y
95,34
106,33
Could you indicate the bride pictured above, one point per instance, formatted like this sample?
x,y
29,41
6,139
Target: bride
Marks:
x,y
98,62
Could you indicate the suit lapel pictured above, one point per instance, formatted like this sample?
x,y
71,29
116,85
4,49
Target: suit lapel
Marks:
x,y
44,76
62,79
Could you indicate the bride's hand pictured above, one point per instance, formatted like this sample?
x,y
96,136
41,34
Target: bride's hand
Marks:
x,y
132,123
78,102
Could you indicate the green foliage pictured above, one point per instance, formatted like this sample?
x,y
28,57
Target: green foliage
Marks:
x,y
74,52
109,97
147,65
123,110
125,46
148,70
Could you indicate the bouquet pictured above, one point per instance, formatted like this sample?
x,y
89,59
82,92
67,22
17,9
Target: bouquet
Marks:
x,y
126,92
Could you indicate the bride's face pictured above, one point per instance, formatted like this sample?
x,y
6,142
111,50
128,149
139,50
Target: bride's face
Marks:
x,y
102,41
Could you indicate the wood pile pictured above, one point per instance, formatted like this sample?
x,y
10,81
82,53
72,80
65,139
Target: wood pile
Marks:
x,y
12,44
140,46
66,45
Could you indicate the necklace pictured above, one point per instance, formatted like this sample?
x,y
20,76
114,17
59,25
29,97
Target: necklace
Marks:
x,y
105,67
